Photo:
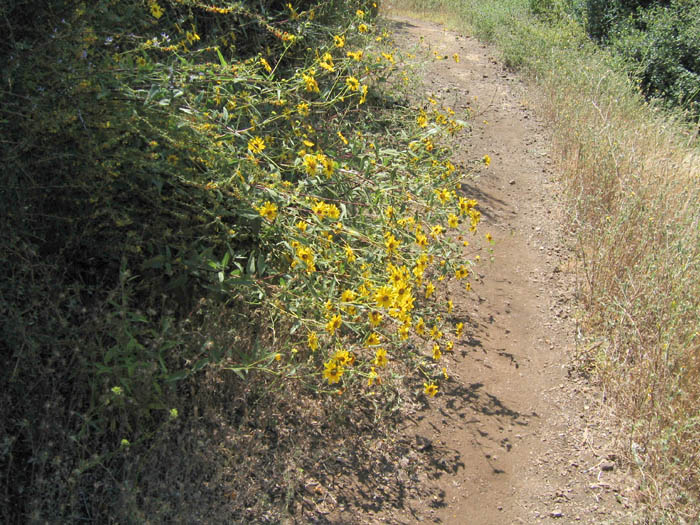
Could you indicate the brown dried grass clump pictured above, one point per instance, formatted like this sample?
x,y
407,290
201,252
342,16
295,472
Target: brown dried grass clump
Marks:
x,y
633,175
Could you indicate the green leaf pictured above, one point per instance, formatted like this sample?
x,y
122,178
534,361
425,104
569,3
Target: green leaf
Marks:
x,y
151,93
177,376
250,267
200,364
222,60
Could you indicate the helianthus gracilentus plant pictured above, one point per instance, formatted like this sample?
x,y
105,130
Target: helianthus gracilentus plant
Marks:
x,y
172,163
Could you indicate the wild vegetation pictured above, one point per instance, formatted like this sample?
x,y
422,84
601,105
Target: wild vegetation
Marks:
x,y
658,44
633,175
222,222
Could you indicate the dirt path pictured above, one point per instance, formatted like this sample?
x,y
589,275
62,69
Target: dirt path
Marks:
x,y
520,436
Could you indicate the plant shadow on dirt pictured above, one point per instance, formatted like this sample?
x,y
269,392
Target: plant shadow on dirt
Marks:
x,y
489,206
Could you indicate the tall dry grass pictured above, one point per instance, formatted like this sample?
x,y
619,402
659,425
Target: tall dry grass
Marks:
x,y
633,176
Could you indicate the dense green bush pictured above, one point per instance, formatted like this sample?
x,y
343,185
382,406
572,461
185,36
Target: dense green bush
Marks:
x,y
602,16
198,188
658,41
111,234
661,47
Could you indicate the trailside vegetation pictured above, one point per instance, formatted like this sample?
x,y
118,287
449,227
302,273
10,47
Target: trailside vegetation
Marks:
x,y
209,209
656,41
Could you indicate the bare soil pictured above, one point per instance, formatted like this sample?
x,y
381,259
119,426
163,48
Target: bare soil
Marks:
x,y
516,435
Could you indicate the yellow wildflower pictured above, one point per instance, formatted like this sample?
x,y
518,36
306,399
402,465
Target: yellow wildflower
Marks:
x,y
333,325
487,160
461,272
327,62
268,211
352,83
429,290
348,296
312,341
362,28
344,358
328,164
256,145
333,211
384,296
310,163
466,205
459,327
380,358
420,326
437,354
375,318
430,389
339,41
444,195
391,243
372,376
372,340
192,37
306,254
436,231
266,65
156,10
333,372
320,209
310,83
349,254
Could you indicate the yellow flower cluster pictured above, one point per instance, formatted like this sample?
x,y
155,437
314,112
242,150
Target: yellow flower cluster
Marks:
x,y
355,288
312,162
336,365
323,209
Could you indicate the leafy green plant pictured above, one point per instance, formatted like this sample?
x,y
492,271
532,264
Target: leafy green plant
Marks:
x,y
660,49
200,188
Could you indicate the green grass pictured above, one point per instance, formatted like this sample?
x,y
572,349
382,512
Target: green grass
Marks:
x,y
632,171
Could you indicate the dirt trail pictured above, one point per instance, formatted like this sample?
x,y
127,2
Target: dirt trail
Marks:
x,y
520,436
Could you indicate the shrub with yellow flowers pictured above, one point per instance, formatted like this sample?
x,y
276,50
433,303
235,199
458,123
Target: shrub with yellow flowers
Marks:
x,y
216,185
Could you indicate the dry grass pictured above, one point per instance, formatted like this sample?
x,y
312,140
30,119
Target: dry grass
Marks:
x,y
634,181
